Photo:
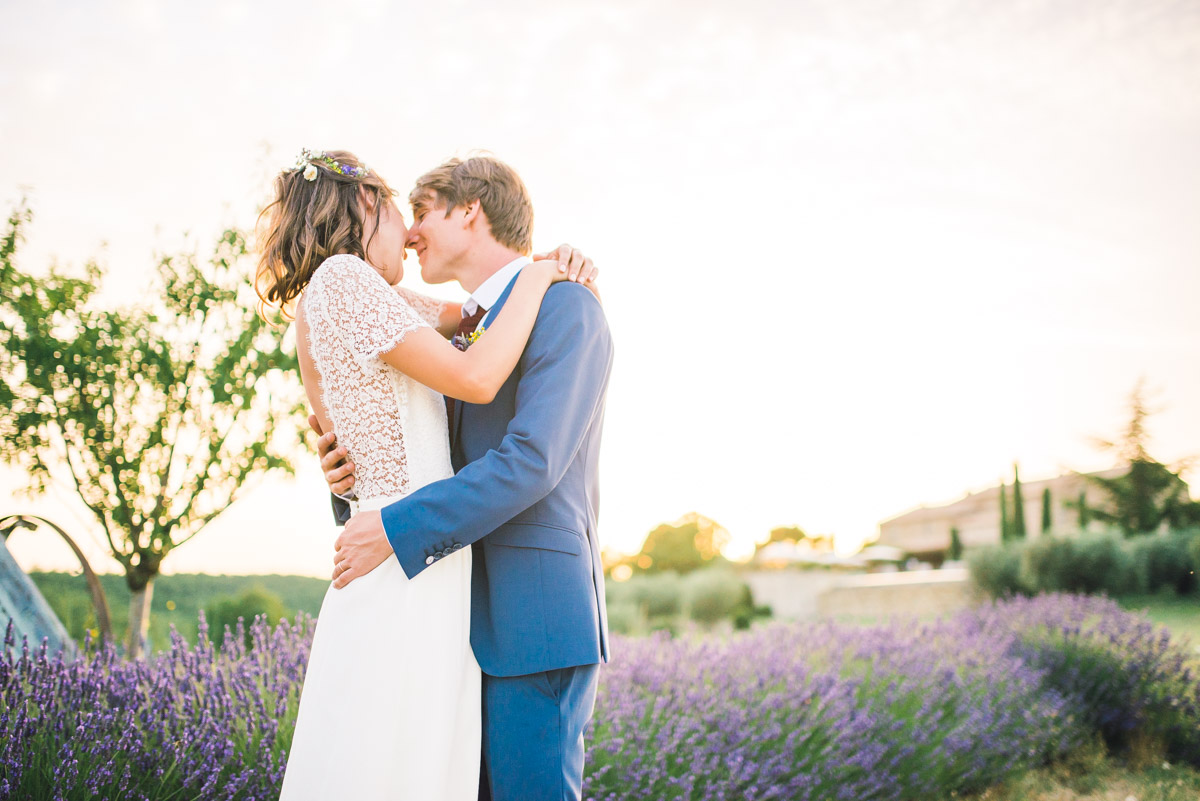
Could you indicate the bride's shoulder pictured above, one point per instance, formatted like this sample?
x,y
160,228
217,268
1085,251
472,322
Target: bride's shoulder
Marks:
x,y
343,269
343,264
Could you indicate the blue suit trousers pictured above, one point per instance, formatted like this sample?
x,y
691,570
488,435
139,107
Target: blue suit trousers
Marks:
x,y
533,734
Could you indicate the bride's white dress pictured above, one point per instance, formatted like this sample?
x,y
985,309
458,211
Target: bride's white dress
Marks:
x,y
390,704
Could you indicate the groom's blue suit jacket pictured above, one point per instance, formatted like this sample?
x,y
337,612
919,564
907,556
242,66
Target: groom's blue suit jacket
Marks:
x,y
526,497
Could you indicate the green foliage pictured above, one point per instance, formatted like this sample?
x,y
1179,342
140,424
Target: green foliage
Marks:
x,y
1097,674
1151,495
997,570
1047,511
224,614
1090,563
1087,564
787,534
1005,524
955,552
1018,507
656,601
654,596
712,595
1167,560
689,544
156,413
178,600
1085,517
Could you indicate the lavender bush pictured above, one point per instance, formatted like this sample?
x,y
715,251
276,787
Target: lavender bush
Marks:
x,y
822,711
191,723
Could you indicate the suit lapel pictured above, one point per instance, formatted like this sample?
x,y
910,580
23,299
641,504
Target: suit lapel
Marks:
x,y
456,423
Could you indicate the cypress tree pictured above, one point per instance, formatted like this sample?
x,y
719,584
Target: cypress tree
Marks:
x,y
1047,512
1018,509
1084,516
1005,532
956,547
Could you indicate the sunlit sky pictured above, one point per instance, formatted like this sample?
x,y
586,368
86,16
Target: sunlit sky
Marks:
x,y
857,255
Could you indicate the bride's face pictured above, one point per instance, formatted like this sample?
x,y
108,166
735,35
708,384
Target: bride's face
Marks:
x,y
385,251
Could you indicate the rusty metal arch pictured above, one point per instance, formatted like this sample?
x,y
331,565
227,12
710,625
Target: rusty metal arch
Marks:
x,y
99,600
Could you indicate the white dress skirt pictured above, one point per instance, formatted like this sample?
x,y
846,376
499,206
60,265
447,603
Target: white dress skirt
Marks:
x,y
390,707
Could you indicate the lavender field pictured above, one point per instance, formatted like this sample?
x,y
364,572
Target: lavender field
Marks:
x,y
823,711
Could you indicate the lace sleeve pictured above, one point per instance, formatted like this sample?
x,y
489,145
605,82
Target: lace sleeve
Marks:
x,y
429,308
369,316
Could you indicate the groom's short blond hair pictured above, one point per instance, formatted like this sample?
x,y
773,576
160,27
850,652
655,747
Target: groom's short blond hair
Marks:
x,y
497,187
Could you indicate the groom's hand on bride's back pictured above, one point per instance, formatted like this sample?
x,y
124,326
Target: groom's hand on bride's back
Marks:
x,y
335,462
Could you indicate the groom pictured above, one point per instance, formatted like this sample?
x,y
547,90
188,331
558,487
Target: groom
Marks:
x,y
526,493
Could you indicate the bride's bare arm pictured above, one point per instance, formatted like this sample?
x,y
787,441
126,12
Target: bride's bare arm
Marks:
x,y
476,375
441,314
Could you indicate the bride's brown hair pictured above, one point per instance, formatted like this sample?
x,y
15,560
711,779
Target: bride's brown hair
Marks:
x,y
311,220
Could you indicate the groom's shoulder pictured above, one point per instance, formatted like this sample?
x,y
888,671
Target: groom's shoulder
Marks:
x,y
569,297
568,306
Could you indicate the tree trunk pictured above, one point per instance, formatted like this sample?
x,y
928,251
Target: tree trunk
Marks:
x,y
139,620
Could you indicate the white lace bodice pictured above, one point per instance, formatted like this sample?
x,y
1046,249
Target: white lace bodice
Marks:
x,y
393,426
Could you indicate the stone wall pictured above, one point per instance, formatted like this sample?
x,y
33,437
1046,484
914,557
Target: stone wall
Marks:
x,y
822,594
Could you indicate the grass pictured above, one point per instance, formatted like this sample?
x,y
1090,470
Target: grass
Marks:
x,y
1180,614
1091,774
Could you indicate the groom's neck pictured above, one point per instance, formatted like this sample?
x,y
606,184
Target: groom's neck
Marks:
x,y
483,261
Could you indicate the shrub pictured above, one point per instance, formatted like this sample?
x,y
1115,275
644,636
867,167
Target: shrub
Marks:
x,y
195,722
997,570
1090,564
624,617
1123,677
656,594
803,712
230,615
712,595
1167,560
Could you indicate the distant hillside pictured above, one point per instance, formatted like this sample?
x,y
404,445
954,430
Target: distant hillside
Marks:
x,y
177,601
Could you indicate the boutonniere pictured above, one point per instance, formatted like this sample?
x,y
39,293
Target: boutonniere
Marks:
x,y
464,341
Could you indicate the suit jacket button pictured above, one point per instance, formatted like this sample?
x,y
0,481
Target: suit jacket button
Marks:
x,y
429,560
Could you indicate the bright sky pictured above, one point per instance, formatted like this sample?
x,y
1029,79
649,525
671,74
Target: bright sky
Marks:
x,y
858,255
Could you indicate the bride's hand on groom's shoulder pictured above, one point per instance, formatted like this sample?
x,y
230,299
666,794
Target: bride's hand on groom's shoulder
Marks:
x,y
335,462
573,266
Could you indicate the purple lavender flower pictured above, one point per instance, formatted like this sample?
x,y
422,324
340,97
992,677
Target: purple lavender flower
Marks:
x,y
788,711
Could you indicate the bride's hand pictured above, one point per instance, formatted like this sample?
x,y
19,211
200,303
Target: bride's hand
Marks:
x,y
335,461
573,266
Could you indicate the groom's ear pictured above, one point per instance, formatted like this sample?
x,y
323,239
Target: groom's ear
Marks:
x,y
471,212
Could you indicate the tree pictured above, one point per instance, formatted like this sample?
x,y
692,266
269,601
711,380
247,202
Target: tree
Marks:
x,y
1150,494
787,534
1047,511
1018,507
689,543
955,552
1005,526
156,414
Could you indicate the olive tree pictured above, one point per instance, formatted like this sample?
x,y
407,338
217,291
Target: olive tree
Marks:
x,y
158,413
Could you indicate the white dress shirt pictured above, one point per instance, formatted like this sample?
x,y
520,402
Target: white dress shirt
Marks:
x,y
490,290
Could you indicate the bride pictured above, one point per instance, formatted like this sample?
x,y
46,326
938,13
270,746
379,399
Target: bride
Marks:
x,y
391,693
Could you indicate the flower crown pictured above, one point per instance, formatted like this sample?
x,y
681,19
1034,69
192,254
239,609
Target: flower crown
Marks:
x,y
307,157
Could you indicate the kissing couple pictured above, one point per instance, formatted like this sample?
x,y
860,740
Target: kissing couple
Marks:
x,y
457,652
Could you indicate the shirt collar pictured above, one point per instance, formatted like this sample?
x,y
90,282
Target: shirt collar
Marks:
x,y
490,290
